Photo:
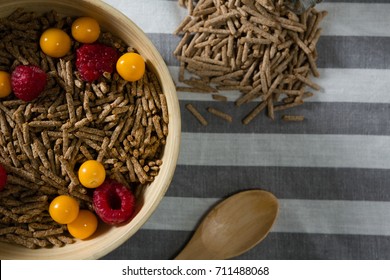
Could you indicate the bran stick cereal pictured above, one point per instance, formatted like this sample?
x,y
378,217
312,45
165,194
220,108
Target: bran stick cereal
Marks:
x,y
255,44
43,142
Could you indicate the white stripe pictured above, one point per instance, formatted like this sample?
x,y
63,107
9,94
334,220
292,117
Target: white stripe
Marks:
x,y
356,19
338,85
344,19
294,150
295,215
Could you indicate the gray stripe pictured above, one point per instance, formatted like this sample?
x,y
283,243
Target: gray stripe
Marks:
x,y
351,52
287,246
288,150
163,245
284,182
351,118
334,51
295,215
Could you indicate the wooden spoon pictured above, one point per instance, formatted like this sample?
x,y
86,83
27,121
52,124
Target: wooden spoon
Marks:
x,y
233,227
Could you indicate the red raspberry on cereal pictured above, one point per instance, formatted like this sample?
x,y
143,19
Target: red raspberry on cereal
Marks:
x,y
113,202
28,81
3,177
92,60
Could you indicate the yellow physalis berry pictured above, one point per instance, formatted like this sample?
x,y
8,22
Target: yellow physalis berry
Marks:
x,y
55,42
84,225
85,30
131,66
92,174
5,84
64,209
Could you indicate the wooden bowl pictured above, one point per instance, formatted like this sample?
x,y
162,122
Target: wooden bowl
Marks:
x,y
106,239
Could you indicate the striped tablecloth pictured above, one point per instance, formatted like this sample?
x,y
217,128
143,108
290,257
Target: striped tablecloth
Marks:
x,y
330,172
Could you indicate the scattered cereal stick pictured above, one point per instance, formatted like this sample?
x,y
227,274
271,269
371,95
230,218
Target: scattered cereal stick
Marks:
x,y
257,110
196,114
220,114
219,97
292,118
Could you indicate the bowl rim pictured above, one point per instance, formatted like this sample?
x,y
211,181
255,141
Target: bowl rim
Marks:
x,y
173,139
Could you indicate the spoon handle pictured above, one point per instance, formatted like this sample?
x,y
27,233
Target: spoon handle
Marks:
x,y
195,249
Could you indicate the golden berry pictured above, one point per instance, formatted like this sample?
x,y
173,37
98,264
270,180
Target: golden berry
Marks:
x,y
64,209
92,174
85,30
84,225
5,84
131,66
55,42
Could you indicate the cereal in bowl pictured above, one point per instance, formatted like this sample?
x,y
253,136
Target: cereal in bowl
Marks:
x,y
65,108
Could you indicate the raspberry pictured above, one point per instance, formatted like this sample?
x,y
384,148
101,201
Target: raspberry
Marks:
x,y
113,202
28,81
92,60
3,177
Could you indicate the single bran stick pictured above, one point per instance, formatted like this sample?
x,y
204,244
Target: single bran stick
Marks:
x,y
196,114
220,114
257,110
293,118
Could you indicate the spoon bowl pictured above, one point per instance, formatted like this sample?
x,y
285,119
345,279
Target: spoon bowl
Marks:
x,y
232,227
